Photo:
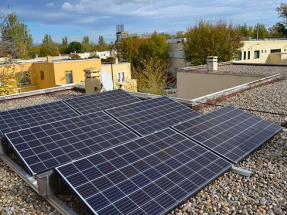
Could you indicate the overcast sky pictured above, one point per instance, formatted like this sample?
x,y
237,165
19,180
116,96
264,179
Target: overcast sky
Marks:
x,y
93,18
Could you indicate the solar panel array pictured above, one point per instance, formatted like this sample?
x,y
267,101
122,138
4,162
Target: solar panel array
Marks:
x,y
101,101
47,146
152,115
150,175
229,131
111,168
16,119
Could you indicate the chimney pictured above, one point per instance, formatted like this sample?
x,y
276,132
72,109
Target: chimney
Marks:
x,y
49,59
92,80
212,63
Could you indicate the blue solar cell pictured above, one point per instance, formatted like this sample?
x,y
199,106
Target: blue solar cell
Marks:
x,y
101,101
66,146
229,131
139,185
152,115
26,117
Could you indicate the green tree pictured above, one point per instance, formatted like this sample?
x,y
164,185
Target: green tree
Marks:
x,y
279,29
151,75
47,39
87,46
49,47
155,46
75,46
282,12
149,59
246,31
9,77
208,39
102,45
261,30
18,34
129,49
64,47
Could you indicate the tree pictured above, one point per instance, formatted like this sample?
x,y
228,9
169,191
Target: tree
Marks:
x,y
64,47
129,49
151,75
9,77
18,34
282,12
75,47
261,30
279,29
246,31
87,46
155,46
48,47
47,39
207,39
149,59
102,45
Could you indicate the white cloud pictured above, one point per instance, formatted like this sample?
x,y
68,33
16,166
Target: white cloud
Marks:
x,y
77,8
51,5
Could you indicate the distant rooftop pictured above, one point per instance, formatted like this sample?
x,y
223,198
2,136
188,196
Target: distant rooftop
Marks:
x,y
241,68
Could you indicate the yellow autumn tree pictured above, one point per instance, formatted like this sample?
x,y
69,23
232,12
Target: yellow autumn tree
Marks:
x,y
10,48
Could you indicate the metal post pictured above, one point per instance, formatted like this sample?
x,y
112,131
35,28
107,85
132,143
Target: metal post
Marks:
x,y
112,62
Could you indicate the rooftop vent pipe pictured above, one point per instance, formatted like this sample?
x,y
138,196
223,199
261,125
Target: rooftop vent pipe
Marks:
x,y
212,63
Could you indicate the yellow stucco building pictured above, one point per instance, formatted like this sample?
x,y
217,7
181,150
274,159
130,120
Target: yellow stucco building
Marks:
x,y
268,51
38,75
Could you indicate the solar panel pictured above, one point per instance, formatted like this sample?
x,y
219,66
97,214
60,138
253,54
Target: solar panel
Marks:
x,y
45,147
101,101
16,119
152,115
229,131
150,175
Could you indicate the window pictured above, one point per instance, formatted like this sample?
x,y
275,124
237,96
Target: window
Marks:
x,y
238,56
121,76
256,54
179,54
69,77
248,55
42,75
23,78
244,56
275,50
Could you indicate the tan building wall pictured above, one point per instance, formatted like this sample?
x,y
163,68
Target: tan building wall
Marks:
x,y
76,67
176,55
262,51
121,71
191,85
51,74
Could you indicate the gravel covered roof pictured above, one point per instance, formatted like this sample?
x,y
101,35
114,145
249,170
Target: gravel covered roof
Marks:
x,y
263,193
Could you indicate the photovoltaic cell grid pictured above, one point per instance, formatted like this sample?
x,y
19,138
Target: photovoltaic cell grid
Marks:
x,y
16,119
150,175
152,115
101,101
45,147
229,131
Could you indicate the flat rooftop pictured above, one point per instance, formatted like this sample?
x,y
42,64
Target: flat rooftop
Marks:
x,y
264,192
241,69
